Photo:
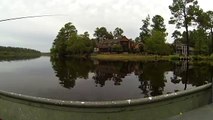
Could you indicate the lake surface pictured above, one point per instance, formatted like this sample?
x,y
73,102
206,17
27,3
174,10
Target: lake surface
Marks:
x,y
92,80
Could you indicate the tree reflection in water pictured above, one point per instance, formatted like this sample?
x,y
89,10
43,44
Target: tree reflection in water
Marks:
x,y
151,75
195,74
68,70
153,80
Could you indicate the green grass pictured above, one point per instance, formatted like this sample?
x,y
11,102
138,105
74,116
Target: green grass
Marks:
x,y
129,57
140,57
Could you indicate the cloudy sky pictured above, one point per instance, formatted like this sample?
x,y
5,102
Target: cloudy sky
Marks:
x,y
86,15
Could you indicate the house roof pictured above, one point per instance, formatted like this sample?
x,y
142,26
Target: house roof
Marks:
x,y
109,42
124,38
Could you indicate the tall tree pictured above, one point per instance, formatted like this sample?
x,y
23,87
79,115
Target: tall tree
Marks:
x,y
184,15
118,32
60,43
176,35
158,23
177,38
137,39
102,34
204,25
109,35
210,26
86,34
202,20
145,31
200,39
68,42
155,44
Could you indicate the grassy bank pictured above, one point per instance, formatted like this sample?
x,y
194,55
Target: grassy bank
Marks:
x,y
129,57
138,57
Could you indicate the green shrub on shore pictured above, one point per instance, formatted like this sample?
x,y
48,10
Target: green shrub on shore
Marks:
x,y
197,57
174,57
211,57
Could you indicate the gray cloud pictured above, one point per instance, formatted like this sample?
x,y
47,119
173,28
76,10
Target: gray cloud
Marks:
x,y
86,15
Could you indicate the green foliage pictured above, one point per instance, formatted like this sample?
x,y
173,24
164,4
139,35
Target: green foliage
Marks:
x,y
184,14
210,27
118,32
174,57
102,34
154,39
86,34
210,18
156,44
14,52
176,35
80,45
203,19
117,48
137,39
60,43
211,57
158,23
177,38
197,57
145,31
201,41
68,42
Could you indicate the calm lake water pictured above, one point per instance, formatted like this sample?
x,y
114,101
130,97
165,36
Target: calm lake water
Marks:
x,y
92,80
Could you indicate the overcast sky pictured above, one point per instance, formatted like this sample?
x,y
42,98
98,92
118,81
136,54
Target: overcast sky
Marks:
x,y
86,15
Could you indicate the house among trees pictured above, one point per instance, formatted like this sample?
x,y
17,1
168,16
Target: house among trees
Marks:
x,y
121,44
181,49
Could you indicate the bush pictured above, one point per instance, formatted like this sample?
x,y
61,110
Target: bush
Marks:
x,y
174,57
117,48
198,57
211,57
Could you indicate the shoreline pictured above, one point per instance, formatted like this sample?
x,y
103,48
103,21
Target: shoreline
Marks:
x,y
139,57
129,57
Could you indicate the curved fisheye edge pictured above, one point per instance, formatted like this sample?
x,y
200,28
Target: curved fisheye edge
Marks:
x,y
104,104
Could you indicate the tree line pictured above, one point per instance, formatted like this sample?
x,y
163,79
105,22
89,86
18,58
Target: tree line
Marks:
x,y
197,24
69,42
153,36
18,52
187,14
